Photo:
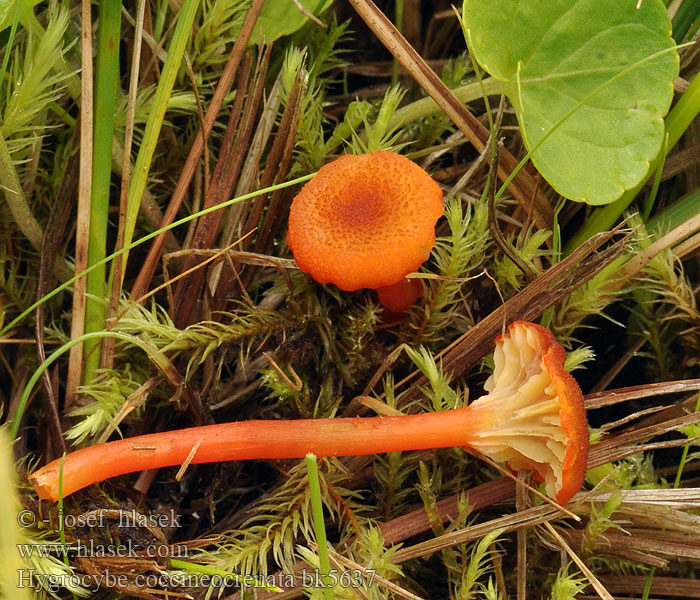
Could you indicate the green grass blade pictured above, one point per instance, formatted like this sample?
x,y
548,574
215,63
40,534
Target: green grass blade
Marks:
x,y
182,34
651,199
684,455
150,236
106,92
679,212
11,565
319,524
684,18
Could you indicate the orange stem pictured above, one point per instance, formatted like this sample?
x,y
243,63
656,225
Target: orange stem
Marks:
x,y
400,296
255,440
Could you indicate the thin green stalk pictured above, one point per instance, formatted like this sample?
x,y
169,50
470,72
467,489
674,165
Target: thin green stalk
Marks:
x,y
12,189
159,20
63,115
106,92
647,584
181,36
651,199
133,245
427,106
324,563
548,314
677,121
684,455
398,21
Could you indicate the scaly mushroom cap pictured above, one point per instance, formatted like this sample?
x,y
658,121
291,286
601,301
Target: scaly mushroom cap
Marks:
x,y
533,415
364,221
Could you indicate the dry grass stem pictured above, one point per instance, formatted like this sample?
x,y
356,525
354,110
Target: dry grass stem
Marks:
x,y
617,447
675,587
597,585
636,392
344,562
107,353
634,266
75,362
526,518
222,89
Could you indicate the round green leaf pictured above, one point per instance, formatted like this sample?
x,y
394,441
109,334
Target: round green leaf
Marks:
x,y
8,8
283,17
590,81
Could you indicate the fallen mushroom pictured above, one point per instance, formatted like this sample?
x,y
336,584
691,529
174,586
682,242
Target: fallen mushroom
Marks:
x,y
531,418
533,415
366,221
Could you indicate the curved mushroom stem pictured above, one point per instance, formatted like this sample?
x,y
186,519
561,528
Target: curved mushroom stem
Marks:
x,y
400,296
253,440
531,418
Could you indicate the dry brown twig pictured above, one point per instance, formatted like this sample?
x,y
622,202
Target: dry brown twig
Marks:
x,y
188,169
75,356
550,287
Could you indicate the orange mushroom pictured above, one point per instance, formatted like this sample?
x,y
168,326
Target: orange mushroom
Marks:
x,y
531,418
366,221
533,415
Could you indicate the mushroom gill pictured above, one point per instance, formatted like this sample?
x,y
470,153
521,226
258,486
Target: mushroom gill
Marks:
x,y
533,415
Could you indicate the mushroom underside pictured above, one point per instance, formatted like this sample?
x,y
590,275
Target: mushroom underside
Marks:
x,y
522,433
520,418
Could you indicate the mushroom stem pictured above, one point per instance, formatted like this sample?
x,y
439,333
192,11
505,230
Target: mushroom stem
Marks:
x,y
400,296
531,418
253,440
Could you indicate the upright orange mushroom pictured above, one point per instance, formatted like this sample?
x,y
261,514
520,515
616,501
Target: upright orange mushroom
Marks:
x,y
531,418
366,221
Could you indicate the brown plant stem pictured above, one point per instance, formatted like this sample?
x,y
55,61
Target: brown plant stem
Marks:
x,y
149,266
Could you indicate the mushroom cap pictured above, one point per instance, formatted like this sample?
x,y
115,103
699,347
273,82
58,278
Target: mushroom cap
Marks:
x,y
364,221
533,415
